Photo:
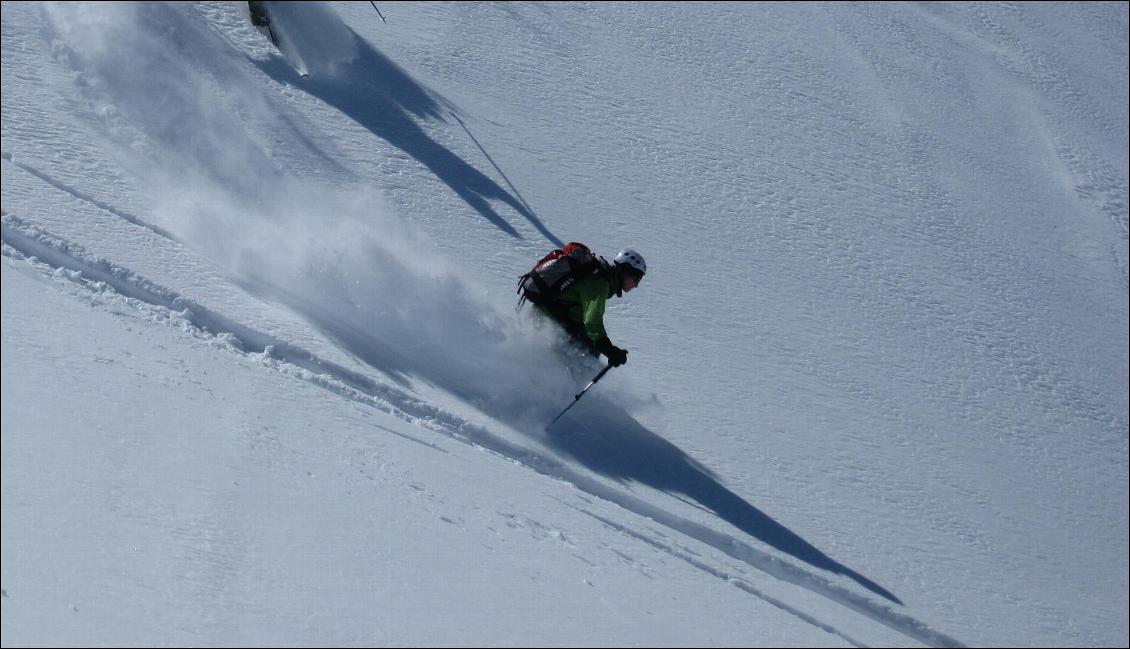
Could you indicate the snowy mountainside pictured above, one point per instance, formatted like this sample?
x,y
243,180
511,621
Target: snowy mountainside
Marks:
x,y
264,382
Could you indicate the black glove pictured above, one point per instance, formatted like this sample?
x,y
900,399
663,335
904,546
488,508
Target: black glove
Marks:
x,y
616,356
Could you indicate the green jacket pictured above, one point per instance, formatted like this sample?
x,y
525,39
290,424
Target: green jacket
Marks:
x,y
581,306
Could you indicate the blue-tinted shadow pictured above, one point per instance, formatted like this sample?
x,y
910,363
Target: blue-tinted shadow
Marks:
x,y
611,442
379,95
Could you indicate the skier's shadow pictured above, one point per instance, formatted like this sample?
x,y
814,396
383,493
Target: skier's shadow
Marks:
x,y
380,96
612,443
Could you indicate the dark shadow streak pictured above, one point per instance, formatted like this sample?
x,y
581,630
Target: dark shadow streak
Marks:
x,y
614,444
545,233
383,98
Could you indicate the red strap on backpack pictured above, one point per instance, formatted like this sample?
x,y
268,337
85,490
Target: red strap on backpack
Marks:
x,y
565,251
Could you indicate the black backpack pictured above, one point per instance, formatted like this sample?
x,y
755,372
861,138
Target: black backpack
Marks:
x,y
556,272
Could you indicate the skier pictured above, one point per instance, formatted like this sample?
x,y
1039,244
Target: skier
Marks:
x,y
579,308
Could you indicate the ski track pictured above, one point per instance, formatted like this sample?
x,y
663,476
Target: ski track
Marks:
x,y
57,257
83,196
686,555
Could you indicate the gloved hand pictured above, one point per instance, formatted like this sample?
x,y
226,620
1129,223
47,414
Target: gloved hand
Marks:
x,y
616,356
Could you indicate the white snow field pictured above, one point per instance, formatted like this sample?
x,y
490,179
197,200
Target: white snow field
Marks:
x,y
264,383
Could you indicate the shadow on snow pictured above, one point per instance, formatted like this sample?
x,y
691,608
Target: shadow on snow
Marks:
x,y
614,444
380,96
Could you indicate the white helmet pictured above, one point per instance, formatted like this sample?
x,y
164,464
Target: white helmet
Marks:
x,y
632,258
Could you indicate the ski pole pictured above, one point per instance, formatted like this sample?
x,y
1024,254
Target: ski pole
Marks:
x,y
378,10
579,395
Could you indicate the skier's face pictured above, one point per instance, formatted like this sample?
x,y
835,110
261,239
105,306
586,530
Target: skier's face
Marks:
x,y
629,282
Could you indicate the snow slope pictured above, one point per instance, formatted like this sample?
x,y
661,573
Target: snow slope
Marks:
x,y
264,384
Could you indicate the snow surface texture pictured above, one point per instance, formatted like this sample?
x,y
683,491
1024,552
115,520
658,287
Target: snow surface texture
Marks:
x,y
263,381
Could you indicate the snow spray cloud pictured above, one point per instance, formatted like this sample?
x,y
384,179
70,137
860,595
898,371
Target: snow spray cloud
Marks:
x,y
316,38
185,114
